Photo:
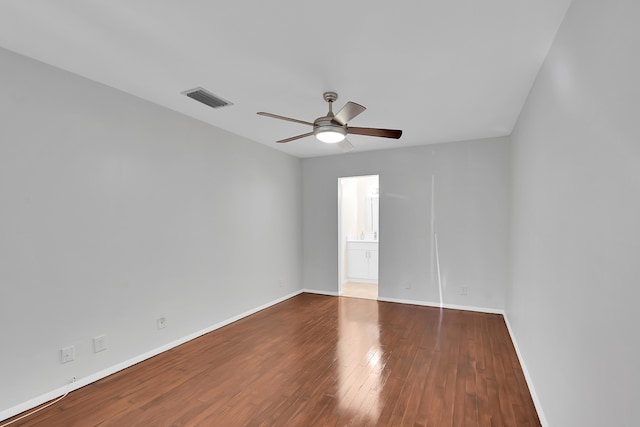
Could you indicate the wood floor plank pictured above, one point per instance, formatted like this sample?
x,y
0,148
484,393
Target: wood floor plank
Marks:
x,y
320,361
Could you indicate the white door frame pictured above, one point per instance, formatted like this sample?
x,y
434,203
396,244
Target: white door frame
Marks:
x,y
341,237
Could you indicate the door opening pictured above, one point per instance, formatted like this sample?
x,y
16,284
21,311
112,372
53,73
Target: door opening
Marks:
x,y
358,236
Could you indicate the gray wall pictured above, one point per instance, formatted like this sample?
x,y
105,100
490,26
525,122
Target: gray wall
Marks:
x,y
115,211
468,211
576,220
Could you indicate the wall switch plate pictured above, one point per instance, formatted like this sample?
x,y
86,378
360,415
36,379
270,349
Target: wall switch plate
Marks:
x,y
162,322
99,343
68,354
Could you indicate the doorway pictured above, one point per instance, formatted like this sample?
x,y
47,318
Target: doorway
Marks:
x,y
358,236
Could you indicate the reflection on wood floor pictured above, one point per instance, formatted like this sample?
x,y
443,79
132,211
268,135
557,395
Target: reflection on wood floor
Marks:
x,y
320,361
360,290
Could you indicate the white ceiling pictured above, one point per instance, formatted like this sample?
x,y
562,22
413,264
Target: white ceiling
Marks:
x,y
440,70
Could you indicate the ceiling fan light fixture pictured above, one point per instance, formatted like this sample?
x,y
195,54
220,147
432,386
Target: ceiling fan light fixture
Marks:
x,y
330,134
330,137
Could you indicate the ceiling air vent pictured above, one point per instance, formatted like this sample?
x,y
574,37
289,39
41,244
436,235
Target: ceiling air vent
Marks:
x,y
206,97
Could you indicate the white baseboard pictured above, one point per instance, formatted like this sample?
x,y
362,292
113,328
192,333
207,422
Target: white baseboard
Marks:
x,y
437,305
315,291
527,377
416,302
81,382
472,308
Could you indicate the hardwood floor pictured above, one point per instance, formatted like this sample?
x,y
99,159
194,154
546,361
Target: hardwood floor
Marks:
x,y
319,361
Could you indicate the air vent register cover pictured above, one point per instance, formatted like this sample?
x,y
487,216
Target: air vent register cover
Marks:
x,y
206,97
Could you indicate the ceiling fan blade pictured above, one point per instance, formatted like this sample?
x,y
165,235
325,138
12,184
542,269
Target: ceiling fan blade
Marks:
x,y
382,133
348,112
345,145
289,119
293,138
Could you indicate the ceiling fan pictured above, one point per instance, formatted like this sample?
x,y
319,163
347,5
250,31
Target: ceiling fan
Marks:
x,y
333,128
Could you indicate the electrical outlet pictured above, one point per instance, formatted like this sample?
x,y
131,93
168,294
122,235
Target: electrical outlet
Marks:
x,y
407,285
162,322
99,343
464,291
68,354
280,283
